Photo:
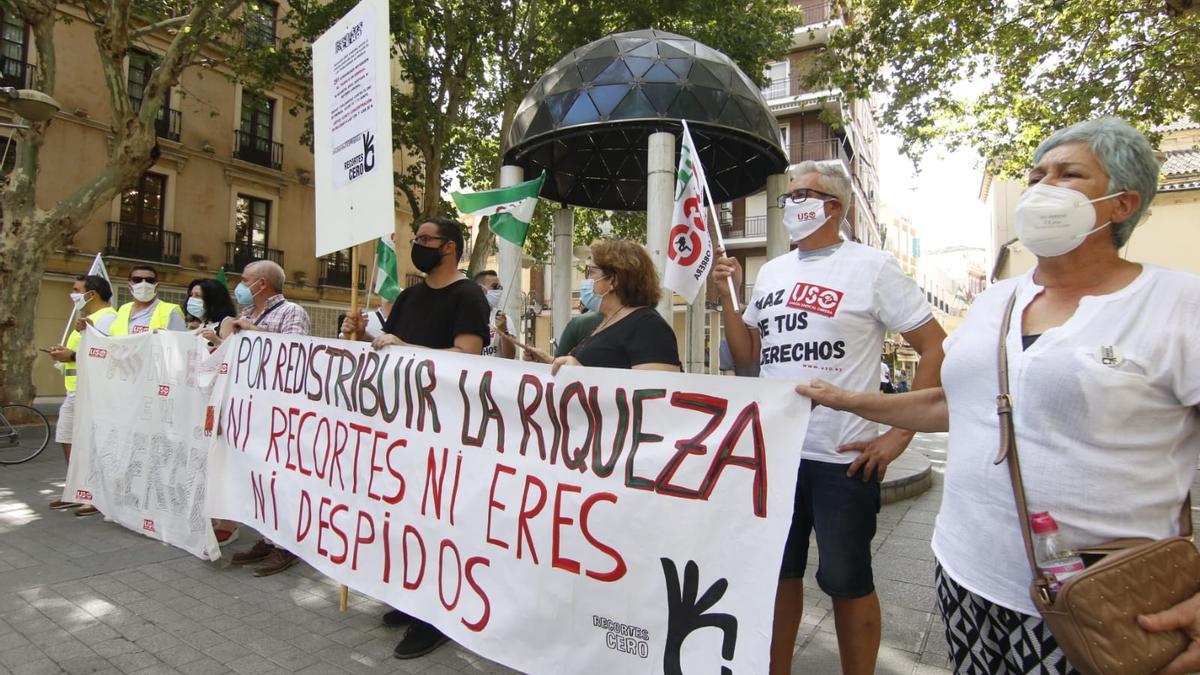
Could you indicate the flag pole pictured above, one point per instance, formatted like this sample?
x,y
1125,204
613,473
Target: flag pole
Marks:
x,y
371,279
343,590
712,211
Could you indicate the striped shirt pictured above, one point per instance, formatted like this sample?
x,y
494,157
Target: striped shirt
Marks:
x,y
278,316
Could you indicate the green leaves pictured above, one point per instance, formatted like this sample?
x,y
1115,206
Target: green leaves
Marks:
x,y
999,76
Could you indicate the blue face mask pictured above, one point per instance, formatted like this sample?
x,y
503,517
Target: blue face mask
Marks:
x,y
195,307
587,295
243,295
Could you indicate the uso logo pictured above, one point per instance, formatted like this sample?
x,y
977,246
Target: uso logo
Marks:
x,y
147,525
224,368
815,298
97,352
164,390
83,494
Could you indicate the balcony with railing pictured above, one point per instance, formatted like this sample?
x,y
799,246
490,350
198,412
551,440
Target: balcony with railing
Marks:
x,y
335,271
238,254
821,151
142,242
256,150
815,11
14,73
411,280
742,227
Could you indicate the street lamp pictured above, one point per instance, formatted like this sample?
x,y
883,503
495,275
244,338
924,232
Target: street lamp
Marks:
x,y
31,104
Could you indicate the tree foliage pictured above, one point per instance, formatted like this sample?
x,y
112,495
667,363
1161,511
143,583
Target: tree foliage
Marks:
x,y
999,76
466,64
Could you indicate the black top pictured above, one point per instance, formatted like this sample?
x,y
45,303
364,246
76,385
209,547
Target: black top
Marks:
x,y
643,336
433,317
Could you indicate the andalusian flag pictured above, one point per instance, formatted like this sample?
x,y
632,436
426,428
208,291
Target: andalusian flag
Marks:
x,y
387,279
509,209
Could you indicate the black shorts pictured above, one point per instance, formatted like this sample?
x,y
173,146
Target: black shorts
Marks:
x,y
842,510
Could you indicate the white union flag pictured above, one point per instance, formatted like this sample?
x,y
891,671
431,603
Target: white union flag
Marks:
x,y
689,247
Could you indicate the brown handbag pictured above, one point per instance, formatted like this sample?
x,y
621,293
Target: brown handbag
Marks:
x,y
1093,617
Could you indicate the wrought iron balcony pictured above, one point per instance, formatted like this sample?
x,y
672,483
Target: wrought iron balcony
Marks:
x,y
742,227
14,73
816,11
335,271
238,254
142,242
257,150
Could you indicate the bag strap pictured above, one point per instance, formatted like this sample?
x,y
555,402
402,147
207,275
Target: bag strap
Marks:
x,y
1008,445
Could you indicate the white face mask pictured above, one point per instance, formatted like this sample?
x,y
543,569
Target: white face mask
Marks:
x,y
493,297
143,291
1052,220
802,219
79,300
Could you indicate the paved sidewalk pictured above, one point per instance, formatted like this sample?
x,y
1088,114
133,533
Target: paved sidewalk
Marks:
x,y
80,595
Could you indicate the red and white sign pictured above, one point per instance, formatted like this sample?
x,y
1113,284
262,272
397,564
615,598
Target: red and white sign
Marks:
x,y
689,248
815,298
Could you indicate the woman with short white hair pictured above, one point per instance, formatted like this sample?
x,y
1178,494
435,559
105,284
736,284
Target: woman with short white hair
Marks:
x,y
1104,369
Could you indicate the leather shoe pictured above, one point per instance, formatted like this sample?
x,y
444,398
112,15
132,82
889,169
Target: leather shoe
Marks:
x,y
276,562
257,553
420,639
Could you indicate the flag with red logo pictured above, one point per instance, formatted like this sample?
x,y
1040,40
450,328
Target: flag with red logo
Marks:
x,y
689,248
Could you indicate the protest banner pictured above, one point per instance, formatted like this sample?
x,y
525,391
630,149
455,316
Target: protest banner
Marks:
x,y
140,450
352,129
600,521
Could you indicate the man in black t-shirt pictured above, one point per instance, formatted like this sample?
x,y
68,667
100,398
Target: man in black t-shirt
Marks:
x,y
446,311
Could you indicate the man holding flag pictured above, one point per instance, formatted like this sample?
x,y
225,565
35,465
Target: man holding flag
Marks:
x,y
90,298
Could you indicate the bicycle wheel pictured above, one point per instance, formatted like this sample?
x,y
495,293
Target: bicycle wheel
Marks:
x,y
24,433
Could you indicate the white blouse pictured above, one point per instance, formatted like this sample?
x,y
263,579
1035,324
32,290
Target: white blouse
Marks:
x,y
1106,421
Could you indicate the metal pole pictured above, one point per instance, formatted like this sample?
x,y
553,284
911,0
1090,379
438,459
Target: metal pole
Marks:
x,y
714,343
560,286
510,263
660,193
778,241
695,334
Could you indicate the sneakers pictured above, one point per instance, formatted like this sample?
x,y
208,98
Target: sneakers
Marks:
x,y
396,618
59,505
226,536
257,553
87,510
420,639
276,561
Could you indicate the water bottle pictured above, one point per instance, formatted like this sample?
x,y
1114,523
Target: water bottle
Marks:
x,y
1055,560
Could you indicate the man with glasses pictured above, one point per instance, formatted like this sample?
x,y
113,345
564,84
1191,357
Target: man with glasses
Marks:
x,y
445,311
821,311
147,312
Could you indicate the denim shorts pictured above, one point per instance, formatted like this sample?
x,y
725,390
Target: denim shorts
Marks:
x,y
842,510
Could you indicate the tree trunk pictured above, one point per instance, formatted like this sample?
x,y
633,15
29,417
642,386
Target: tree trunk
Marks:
x,y
22,263
485,239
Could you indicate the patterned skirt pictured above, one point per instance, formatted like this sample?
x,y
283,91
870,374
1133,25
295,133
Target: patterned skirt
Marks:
x,y
987,639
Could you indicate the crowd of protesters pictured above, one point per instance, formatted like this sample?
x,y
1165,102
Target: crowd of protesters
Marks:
x,y
1089,187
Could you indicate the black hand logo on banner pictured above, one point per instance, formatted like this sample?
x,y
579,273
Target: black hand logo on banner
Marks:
x,y
368,151
685,614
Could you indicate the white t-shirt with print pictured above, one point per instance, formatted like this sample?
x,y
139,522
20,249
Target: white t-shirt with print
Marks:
x,y
825,318
1107,427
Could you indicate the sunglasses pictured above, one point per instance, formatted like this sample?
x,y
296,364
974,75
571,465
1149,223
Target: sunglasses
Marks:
x,y
138,280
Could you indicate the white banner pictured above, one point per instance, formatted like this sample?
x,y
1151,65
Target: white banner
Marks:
x,y
352,129
140,450
601,521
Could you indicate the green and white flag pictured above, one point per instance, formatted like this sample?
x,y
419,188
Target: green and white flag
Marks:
x,y
387,279
509,209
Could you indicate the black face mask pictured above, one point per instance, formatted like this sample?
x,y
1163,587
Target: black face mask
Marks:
x,y
425,258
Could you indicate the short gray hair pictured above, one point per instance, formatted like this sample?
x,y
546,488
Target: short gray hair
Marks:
x,y
272,273
1126,157
831,179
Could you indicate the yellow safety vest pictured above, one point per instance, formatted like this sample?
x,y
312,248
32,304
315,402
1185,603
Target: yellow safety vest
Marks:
x,y
73,344
158,320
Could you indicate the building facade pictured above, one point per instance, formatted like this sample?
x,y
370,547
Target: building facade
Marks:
x,y
851,144
233,182
1168,236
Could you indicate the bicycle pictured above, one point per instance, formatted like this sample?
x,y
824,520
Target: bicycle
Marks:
x,y
24,433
